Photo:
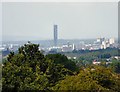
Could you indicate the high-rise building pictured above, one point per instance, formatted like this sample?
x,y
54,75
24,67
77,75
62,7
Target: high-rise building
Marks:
x,y
111,40
55,34
104,45
100,40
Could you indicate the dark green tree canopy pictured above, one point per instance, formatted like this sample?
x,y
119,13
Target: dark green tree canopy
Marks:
x,y
91,79
29,69
63,60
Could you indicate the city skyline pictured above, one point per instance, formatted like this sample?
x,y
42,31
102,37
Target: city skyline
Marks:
x,y
34,21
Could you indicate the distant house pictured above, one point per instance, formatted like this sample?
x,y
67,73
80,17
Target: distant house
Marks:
x,y
116,57
113,57
71,57
96,62
108,63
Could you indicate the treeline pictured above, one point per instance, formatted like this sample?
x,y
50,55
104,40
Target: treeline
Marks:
x,y
107,50
30,70
88,56
101,53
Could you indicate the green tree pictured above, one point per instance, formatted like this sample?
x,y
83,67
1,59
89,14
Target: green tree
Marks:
x,y
63,60
29,69
93,78
115,66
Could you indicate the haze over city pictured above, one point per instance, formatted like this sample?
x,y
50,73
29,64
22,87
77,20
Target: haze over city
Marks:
x,y
34,21
57,46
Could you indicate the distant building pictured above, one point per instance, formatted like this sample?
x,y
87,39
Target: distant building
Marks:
x,y
55,49
100,40
111,40
80,45
74,47
68,47
107,43
116,57
104,45
96,62
55,34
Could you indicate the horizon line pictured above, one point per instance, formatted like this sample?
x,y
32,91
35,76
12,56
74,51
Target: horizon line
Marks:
x,y
116,38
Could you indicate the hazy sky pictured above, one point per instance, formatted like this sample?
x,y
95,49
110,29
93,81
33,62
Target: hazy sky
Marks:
x,y
34,21
0,23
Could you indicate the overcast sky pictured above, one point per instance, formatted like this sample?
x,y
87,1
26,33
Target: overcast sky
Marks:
x,y
0,23
34,21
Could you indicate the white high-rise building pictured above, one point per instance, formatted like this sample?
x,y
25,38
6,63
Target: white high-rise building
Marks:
x,y
100,40
104,45
111,40
74,47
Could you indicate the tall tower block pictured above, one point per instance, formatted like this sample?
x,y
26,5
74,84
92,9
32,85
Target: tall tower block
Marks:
x,y
55,34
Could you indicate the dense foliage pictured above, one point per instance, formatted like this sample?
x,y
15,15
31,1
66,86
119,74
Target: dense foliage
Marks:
x,y
87,56
115,65
93,78
29,70
63,60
